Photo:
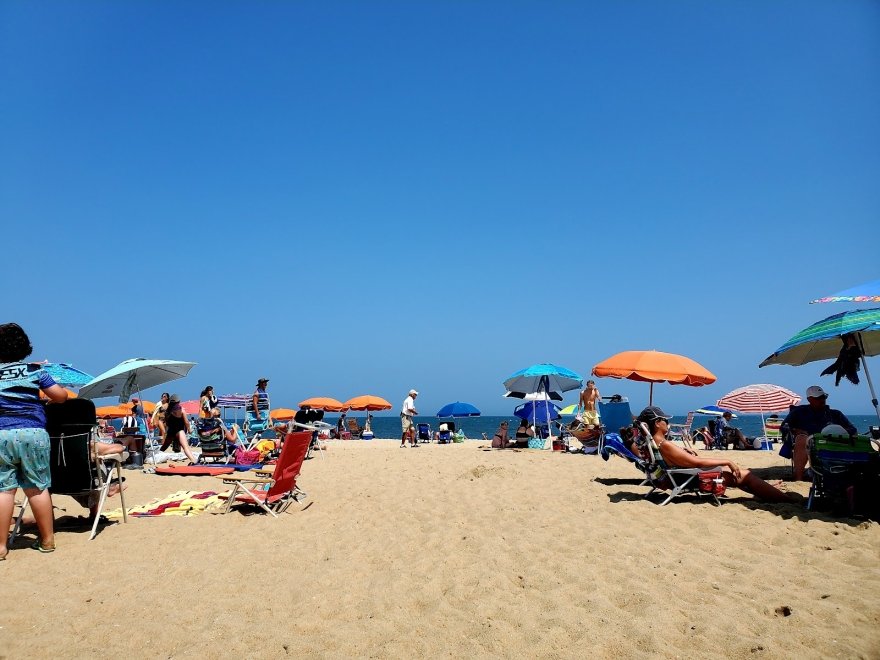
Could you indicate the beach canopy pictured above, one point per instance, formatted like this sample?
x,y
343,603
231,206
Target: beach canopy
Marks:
x,y
282,414
322,403
655,367
134,375
367,402
458,409
233,400
545,377
869,293
760,398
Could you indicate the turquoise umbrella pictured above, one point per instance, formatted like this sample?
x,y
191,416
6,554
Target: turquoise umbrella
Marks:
x,y
822,341
134,375
66,375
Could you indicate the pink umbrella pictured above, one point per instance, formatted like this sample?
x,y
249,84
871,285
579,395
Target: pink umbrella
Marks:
x,y
190,407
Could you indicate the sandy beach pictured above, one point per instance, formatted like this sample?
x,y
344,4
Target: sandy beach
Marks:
x,y
453,551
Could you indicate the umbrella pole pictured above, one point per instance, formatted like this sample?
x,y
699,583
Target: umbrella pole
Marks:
x,y
868,377
651,395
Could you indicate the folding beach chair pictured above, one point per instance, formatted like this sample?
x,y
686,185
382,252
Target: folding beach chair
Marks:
x,y
423,432
682,432
678,481
272,490
77,470
444,437
613,416
845,471
354,428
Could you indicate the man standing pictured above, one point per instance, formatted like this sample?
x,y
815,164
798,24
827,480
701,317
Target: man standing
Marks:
x,y
589,398
804,421
407,412
260,400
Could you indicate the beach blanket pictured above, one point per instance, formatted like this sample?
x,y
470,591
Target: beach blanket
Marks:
x,y
181,503
194,470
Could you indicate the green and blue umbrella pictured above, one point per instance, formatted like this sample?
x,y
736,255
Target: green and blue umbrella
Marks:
x,y
822,341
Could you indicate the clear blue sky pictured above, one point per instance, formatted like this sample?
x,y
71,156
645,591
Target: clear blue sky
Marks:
x,y
363,197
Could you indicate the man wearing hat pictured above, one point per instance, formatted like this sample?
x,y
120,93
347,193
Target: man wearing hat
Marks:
x,y
805,420
260,400
676,456
407,412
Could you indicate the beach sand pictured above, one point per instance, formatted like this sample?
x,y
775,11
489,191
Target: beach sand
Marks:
x,y
453,551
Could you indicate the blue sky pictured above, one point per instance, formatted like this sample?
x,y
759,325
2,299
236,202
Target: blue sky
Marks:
x,y
354,198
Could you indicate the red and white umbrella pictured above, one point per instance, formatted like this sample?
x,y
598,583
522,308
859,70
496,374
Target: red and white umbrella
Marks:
x,y
761,398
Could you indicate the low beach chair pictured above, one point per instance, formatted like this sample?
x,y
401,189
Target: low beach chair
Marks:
x,y
846,471
77,470
682,432
423,432
354,428
445,436
678,481
272,490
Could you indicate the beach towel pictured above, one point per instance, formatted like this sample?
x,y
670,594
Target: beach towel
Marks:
x,y
181,503
194,470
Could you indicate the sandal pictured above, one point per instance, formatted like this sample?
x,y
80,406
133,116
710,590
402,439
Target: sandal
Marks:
x,y
37,545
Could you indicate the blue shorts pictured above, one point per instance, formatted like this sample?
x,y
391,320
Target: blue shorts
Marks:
x,y
24,459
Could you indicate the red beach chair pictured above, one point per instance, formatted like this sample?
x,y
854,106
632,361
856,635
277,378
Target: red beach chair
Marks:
x,y
272,490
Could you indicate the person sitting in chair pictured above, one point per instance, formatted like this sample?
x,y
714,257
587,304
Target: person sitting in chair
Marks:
x,y
676,456
725,434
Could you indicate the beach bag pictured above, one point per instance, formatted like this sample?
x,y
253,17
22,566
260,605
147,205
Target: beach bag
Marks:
x,y
537,443
247,457
711,482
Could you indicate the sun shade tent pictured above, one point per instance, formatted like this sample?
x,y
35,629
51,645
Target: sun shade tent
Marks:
x,y
822,341
655,367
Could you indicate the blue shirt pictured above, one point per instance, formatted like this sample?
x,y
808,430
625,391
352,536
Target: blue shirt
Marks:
x,y
262,400
720,425
20,405
813,420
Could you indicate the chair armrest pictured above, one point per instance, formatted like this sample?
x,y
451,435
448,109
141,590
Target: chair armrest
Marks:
x,y
244,478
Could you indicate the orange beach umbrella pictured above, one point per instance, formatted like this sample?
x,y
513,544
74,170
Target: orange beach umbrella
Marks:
x,y
282,414
367,402
322,403
114,412
655,367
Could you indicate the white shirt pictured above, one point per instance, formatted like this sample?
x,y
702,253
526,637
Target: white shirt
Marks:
x,y
409,406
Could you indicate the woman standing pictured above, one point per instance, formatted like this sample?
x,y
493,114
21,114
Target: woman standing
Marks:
x,y
24,442
207,403
177,427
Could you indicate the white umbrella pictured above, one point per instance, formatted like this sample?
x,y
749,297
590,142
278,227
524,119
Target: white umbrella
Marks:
x,y
134,375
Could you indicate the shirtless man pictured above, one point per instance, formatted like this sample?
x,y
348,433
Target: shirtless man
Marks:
x,y
589,397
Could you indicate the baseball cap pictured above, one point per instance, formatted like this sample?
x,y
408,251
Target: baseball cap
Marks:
x,y
651,413
816,392
413,393
174,398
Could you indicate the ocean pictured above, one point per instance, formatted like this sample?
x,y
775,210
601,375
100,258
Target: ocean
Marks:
x,y
474,427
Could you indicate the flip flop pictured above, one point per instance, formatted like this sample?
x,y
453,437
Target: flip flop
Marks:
x,y
36,545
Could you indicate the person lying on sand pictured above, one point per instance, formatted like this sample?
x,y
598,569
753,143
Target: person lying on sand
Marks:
x,y
657,422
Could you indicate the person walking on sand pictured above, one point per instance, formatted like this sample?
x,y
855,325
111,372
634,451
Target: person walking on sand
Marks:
x,y
24,442
407,412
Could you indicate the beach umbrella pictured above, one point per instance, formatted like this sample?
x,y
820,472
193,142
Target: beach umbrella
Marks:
x,y
70,394
113,412
713,410
134,375
869,293
823,341
65,375
367,402
323,403
570,410
191,407
282,414
543,377
655,367
458,409
760,398
537,410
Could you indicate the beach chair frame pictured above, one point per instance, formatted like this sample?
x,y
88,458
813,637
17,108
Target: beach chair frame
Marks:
x,y
276,489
